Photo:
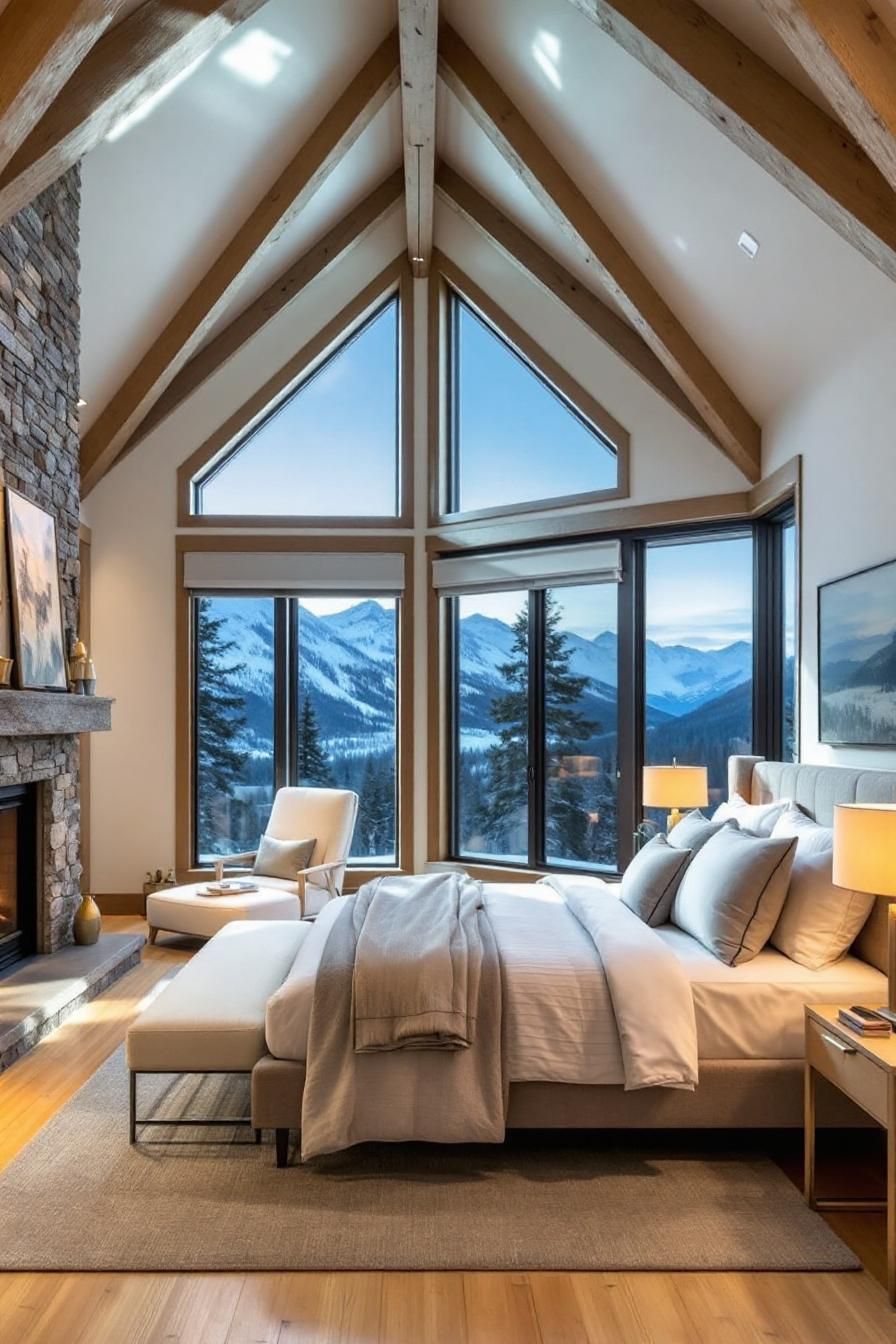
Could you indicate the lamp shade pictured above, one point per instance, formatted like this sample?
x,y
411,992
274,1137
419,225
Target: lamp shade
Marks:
x,y
865,847
675,786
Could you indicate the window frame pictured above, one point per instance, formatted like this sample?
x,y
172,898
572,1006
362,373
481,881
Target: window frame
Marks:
x,y
447,285
186,866
394,282
766,530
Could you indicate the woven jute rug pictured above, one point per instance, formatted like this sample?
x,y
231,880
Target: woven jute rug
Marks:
x,y
80,1198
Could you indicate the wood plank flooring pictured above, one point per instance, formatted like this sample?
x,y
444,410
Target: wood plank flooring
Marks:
x,y
399,1308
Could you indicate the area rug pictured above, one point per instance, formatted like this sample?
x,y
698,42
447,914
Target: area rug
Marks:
x,y
80,1198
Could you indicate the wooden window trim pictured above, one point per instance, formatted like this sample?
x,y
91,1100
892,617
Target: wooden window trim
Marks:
x,y
184,665
394,279
446,277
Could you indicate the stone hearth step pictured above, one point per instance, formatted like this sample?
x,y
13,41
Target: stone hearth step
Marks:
x,y
41,992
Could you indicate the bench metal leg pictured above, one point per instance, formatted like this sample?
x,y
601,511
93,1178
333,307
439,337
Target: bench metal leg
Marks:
x,y
281,1138
132,1106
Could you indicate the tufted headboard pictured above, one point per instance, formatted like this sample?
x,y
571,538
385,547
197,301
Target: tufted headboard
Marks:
x,y
815,789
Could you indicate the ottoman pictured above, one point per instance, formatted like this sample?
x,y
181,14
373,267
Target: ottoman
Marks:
x,y
184,910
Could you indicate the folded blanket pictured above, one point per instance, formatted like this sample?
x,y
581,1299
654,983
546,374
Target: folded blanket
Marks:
x,y
382,1078
653,1002
417,964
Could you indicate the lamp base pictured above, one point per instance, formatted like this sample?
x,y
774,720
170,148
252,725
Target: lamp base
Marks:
x,y
673,819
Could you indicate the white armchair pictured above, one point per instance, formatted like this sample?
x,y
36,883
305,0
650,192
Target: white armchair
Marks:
x,y
329,815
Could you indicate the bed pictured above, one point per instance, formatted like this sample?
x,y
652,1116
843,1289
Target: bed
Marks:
x,y
749,1017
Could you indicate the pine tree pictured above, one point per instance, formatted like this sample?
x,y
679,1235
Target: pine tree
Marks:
x,y
567,732
312,760
220,720
507,788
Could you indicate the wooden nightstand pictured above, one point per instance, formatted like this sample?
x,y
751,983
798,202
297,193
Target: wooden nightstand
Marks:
x,y
865,1070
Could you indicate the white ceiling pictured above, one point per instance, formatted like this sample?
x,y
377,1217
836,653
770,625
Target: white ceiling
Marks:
x,y
160,202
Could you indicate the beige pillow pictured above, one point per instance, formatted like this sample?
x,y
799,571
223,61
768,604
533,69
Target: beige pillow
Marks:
x,y
732,893
650,881
819,922
282,858
810,837
757,818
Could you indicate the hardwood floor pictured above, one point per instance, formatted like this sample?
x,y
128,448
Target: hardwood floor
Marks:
x,y
399,1308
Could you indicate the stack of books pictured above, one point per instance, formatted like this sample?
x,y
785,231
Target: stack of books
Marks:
x,y
229,887
864,1026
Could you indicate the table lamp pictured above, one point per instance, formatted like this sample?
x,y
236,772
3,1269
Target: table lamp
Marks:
x,y
865,860
675,786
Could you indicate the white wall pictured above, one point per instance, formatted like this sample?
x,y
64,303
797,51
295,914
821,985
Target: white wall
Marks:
x,y
845,429
133,517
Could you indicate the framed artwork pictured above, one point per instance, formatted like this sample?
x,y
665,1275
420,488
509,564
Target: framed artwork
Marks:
x,y
857,658
36,601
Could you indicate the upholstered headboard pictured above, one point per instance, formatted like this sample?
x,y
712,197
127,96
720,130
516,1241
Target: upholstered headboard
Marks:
x,y
815,789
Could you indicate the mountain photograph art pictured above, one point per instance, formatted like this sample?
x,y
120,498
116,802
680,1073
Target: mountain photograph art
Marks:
x,y
857,658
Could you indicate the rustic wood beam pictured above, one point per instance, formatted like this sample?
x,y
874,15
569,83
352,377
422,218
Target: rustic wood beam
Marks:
x,y
418,31
615,271
556,280
798,143
322,151
134,60
850,53
343,238
42,42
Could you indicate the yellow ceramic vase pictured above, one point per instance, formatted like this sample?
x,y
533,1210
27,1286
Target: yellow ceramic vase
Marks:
x,y
87,923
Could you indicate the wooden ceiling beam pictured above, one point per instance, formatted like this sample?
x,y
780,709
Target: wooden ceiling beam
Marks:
x,y
735,430
342,239
42,42
134,60
530,258
418,31
804,148
849,52
326,146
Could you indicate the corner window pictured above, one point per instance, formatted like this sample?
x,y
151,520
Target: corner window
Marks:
x,y
514,439
343,416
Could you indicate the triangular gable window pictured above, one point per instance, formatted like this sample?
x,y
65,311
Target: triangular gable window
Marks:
x,y
330,449
515,440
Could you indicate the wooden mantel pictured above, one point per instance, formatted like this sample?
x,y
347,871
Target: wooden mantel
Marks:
x,y
52,714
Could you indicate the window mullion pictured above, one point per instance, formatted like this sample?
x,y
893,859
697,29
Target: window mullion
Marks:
x,y
281,693
631,698
537,729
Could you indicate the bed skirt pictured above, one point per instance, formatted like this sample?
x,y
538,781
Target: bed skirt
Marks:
x,y
731,1094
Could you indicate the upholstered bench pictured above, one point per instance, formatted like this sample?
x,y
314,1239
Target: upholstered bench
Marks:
x,y
186,910
210,1018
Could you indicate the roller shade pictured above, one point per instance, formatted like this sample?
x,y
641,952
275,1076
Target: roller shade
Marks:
x,y
305,572
554,567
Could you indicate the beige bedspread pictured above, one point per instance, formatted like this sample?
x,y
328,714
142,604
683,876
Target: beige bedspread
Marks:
x,y
404,1040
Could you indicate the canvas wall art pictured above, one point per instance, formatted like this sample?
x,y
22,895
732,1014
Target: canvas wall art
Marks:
x,y
36,602
857,658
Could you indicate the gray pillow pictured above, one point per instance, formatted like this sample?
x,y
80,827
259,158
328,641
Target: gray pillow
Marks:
x,y
650,881
819,922
733,891
693,831
282,858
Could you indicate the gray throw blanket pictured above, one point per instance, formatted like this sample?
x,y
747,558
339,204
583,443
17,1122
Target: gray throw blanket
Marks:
x,y
404,1041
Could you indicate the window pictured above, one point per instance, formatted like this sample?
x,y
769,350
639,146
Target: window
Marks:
x,y
293,691
698,677
536,755
330,448
603,657
514,439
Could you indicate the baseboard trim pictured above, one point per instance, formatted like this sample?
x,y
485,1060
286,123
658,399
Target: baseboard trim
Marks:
x,y
120,903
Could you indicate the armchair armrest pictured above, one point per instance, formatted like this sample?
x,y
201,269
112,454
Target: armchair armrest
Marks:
x,y
237,860
327,868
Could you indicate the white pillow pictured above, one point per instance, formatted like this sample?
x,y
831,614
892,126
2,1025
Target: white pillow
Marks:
x,y
754,818
819,922
810,837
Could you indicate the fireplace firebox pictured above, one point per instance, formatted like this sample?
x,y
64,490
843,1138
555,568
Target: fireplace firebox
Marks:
x,y
18,873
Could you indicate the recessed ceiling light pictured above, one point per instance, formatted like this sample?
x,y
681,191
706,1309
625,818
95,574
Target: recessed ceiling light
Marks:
x,y
81,402
747,243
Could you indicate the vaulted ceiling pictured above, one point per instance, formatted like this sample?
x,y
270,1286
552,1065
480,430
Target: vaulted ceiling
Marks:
x,y
632,141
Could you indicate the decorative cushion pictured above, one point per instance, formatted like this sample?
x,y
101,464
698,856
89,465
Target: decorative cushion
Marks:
x,y
694,830
651,880
757,818
732,893
282,858
810,837
819,922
